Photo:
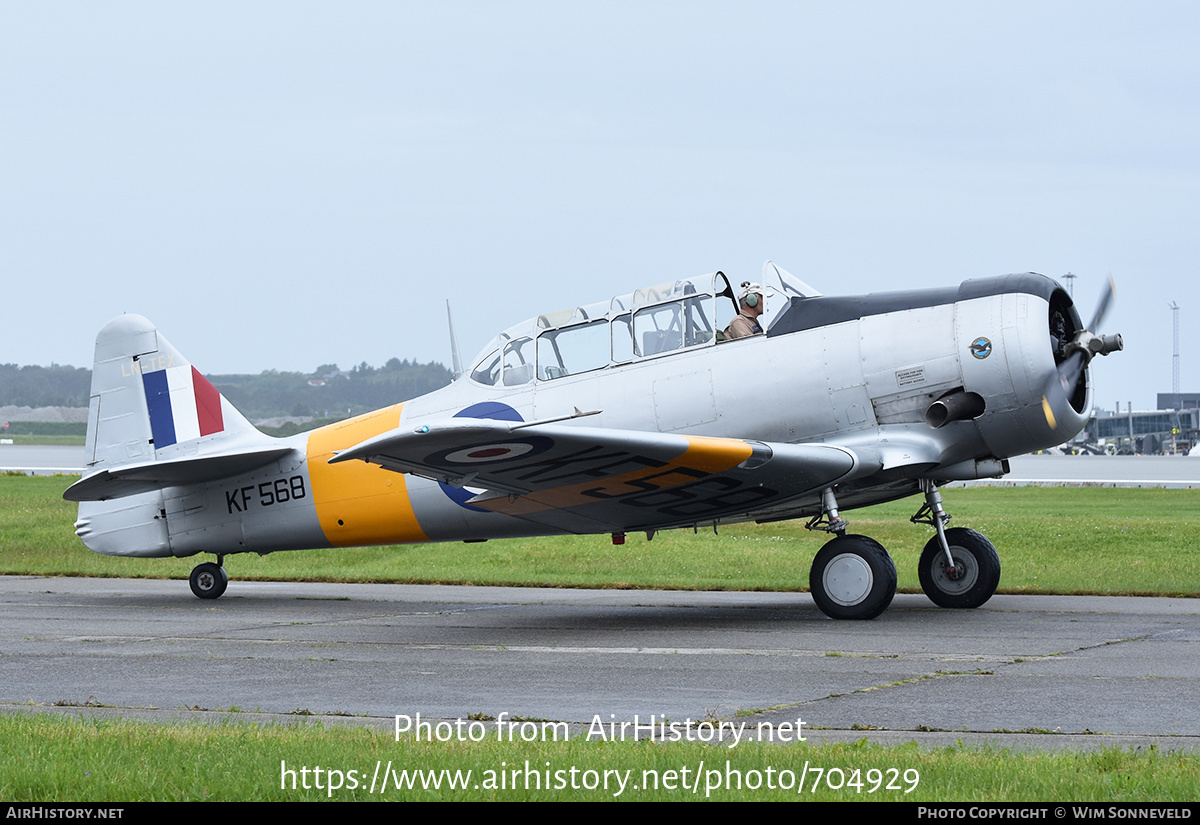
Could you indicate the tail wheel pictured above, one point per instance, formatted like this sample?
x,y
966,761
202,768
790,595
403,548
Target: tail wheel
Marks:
x,y
852,577
976,572
209,580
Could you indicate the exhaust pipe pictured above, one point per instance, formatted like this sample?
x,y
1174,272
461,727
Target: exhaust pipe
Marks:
x,y
957,406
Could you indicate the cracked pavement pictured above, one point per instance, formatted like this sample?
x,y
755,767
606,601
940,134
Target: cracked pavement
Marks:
x,y
1037,671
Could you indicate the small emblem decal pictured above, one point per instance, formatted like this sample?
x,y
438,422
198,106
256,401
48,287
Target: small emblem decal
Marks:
x,y
981,347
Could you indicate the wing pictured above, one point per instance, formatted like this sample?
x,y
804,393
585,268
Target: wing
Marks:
x,y
588,479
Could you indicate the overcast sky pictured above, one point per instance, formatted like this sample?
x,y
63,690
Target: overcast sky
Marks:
x,y
281,185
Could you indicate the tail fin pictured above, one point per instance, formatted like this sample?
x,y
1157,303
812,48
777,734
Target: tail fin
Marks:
x,y
146,398
155,421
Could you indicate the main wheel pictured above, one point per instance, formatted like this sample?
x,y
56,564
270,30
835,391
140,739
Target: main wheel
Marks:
x,y
852,577
209,580
976,570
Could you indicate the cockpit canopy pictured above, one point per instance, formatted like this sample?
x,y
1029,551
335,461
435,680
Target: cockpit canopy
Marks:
x,y
647,323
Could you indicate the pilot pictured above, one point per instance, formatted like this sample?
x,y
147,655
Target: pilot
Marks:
x,y
750,307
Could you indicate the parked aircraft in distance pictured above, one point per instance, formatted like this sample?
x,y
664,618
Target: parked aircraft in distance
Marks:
x,y
634,414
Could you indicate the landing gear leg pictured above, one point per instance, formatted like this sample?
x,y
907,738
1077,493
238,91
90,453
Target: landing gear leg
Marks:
x,y
828,519
932,513
852,577
209,580
959,568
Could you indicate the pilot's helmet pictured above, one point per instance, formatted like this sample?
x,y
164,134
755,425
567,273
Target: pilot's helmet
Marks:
x,y
750,294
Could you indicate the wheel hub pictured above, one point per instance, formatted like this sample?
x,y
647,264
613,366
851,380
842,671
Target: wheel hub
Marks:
x,y
848,579
959,578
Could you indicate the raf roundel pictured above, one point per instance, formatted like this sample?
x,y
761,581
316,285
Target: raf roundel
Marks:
x,y
489,452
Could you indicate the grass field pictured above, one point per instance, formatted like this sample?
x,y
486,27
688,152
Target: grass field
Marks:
x,y
1113,541
55,440
50,758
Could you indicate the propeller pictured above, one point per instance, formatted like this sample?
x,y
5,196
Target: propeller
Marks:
x,y
1083,346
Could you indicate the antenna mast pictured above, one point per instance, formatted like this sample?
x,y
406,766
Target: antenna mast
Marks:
x,y
455,359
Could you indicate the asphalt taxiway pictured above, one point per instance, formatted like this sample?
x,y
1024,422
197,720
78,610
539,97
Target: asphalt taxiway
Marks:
x,y
1036,671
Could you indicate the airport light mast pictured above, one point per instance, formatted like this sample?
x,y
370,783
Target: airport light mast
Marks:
x,y
1175,352
1175,401
1070,279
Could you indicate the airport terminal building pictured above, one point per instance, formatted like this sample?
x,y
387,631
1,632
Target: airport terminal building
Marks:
x,y
1173,428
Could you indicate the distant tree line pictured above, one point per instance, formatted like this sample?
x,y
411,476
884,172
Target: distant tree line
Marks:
x,y
327,392
51,386
330,392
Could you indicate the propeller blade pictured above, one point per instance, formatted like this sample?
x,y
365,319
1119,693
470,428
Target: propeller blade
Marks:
x,y
1058,388
1102,307
1048,411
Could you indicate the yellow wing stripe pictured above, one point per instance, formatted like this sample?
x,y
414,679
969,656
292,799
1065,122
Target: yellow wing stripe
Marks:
x,y
359,503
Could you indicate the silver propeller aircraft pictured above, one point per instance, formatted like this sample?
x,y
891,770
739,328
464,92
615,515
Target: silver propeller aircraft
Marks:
x,y
634,414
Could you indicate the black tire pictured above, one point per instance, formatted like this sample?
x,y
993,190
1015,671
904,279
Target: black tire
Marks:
x,y
209,580
852,577
974,555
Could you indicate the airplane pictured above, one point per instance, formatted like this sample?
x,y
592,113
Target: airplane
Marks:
x,y
636,414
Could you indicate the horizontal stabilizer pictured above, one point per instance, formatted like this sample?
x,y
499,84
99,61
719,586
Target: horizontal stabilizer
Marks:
x,y
145,476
